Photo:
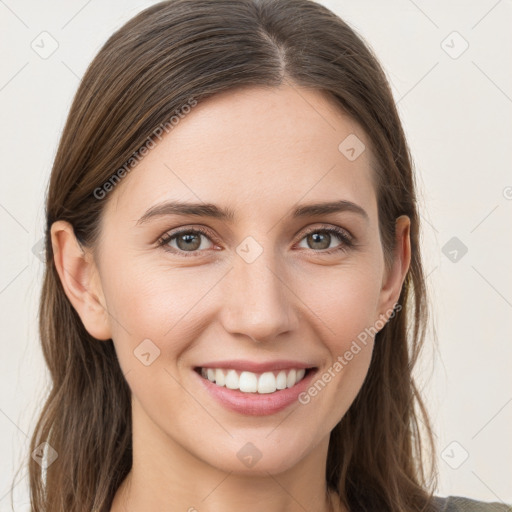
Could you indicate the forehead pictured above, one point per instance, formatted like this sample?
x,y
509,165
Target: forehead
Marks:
x,y
253,149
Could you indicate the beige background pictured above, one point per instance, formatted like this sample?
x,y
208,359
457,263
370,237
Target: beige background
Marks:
x,y
456,106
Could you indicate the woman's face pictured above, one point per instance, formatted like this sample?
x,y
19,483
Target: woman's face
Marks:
x,y
265,286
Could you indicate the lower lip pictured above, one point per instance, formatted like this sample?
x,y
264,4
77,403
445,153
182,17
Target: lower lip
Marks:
x,y
255,404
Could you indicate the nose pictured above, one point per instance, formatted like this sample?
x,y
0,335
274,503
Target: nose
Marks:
x,y
258,300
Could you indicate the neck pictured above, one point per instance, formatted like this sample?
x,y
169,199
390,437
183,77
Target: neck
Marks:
x,y
167,476
133,496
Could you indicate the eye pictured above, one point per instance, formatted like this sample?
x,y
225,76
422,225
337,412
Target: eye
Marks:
x,y
191,240
186,241
320,239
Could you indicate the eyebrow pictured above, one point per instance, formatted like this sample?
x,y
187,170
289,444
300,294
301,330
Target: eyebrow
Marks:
x,y
227,214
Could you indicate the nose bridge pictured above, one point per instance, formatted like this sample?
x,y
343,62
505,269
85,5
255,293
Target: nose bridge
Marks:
x,y
257,301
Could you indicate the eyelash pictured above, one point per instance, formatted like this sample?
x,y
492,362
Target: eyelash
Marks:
x,y
343,236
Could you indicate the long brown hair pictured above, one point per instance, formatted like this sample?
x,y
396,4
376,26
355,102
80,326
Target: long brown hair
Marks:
x,y
143,75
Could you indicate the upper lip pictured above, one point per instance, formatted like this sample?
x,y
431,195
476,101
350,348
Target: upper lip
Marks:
x,y
254,367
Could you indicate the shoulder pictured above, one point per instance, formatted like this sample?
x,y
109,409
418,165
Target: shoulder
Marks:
x,y
460,504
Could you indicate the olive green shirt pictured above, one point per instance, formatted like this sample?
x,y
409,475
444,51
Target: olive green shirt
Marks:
x,y
460,504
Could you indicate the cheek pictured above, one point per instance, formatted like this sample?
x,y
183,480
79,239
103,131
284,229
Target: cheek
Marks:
x,y
344,302
156,313
165,304
344,310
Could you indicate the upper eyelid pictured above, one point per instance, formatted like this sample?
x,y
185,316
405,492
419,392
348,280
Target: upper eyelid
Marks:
x,y
172,233
328,227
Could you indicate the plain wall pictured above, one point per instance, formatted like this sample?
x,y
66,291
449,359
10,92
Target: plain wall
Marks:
x,y
456,107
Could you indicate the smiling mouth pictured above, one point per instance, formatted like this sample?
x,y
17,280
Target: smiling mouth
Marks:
x,y
255,383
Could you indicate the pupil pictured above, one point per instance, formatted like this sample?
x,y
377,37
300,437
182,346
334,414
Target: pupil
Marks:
x,y
188,240
318,237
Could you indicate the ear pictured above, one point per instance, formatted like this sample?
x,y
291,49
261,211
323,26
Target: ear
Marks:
x,y
80,280
394,277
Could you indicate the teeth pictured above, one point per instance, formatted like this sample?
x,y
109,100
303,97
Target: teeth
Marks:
x,y
219,377
249,382
281,380
290,379
232,380
267,383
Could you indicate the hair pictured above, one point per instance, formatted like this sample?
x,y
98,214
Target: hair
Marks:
x,y
141,77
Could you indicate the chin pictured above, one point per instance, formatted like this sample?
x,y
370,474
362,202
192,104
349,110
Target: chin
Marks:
x,y
259,454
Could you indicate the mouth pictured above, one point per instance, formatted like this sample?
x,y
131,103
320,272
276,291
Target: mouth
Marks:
x,y
254,388
252,383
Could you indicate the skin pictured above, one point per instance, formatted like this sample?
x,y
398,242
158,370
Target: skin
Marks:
x,y
273,149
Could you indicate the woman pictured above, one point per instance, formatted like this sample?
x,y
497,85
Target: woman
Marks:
x,y
234,295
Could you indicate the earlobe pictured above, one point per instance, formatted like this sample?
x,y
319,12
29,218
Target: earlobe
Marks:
x,y
394,278
80,280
